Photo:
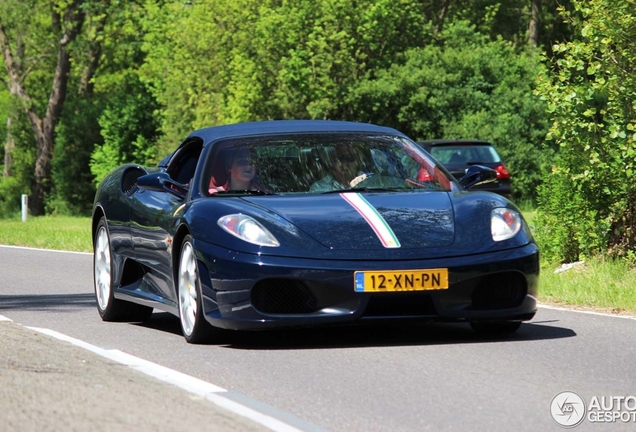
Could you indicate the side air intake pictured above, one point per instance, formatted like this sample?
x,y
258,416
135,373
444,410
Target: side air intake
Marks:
x,y
129,180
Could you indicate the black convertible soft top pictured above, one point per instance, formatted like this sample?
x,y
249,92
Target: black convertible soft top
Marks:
x,y
287,126
266,127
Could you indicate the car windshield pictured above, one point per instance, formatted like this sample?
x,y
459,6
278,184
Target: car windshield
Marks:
x,y
465,154
321,163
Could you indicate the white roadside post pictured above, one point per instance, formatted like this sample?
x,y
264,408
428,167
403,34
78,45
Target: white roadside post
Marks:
x,y
25,207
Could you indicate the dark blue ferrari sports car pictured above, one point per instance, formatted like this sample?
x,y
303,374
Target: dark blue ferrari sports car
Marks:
x,y
297,223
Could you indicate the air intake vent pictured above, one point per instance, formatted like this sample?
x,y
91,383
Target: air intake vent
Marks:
x,y
283,296
129,180
499,291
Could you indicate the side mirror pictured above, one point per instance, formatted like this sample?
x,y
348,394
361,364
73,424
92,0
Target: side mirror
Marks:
x,y
161,182
478,175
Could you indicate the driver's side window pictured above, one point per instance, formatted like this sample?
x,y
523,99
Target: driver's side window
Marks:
x,y
183,164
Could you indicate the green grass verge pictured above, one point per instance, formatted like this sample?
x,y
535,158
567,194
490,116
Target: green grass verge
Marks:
x,y
607,285
60,233
597,284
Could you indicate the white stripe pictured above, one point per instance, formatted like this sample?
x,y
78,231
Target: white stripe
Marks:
x,y
564,309
186,382
375,220
4,318
44,250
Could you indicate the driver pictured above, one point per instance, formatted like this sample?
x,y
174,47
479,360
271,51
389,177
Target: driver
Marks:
x,y
345,172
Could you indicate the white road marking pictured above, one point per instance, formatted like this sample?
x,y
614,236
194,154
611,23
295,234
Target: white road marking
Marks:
x,y
186,382
45,250
4,318
191,384
588,312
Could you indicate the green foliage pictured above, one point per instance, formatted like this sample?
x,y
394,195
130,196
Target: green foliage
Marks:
x,y
559,222
77,134
101,58
348,60
209,62
268,60
10,191
129,129
11,188
590,90
25,149
29,27
465,86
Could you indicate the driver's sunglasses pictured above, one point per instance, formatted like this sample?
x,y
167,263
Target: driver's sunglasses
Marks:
x,y
244,161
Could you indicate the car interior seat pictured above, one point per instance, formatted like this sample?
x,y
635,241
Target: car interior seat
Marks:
x,y
219,173
456,158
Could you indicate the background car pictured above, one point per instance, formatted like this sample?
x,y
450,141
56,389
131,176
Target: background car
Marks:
x,y
296,223
458,155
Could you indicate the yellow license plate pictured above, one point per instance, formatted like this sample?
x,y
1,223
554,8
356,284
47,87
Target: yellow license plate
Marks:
x,y
391,281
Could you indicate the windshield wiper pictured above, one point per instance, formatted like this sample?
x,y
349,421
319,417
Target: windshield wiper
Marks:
x,y
243,192
362,189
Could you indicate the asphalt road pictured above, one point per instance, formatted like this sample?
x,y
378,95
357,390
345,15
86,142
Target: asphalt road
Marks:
x,y
380,378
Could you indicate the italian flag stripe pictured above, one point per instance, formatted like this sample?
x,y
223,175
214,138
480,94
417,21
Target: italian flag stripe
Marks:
x,y
373,218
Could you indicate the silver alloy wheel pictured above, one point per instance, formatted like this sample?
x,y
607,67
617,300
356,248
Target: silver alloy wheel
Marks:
x,y
188,289
102,271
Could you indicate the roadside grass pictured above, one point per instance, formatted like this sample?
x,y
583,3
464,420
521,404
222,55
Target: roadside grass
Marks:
x,y
597,284
59,233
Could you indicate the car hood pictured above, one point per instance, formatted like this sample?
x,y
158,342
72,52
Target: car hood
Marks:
x,y
369,221
426,225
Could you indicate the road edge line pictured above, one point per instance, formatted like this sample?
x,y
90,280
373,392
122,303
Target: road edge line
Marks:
x,y
588,312
44,250
189,383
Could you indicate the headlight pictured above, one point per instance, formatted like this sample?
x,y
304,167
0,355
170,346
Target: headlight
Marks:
x,y
504,223
248,229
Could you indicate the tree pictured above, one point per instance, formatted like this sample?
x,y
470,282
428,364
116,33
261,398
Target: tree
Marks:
x,y
129,127
65,62
108,109
588,202
269,59
465,86
535,22
5,132
20,58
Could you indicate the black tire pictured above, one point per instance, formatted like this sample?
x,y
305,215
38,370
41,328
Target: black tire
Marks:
x,y
110,308
495,328
195,328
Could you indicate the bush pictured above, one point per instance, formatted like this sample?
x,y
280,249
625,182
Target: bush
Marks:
x,y
467,86
10,197
588,200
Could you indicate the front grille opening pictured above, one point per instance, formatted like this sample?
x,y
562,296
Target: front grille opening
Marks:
x,y
400,304
499,291
283,296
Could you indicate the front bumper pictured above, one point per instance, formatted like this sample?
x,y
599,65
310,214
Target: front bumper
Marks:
x,y
248,292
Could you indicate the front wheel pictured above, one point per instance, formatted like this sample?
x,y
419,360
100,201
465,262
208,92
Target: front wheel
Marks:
x,y
110,308
194,326
495,327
